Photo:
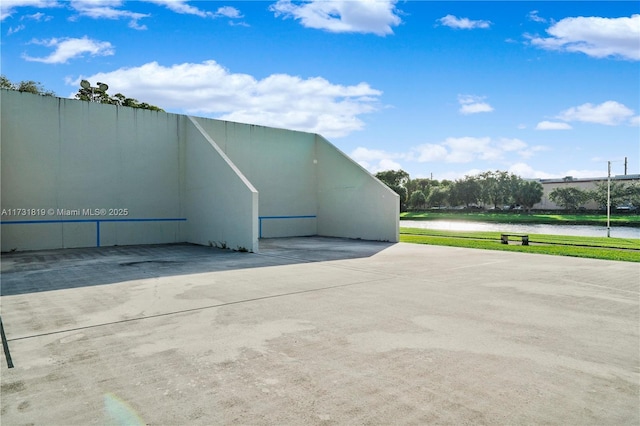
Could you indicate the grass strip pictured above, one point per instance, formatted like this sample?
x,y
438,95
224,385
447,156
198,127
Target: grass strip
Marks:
x,y
632,220
619,243
621,249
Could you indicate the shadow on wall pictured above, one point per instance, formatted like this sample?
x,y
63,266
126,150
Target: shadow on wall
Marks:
x,y
47,270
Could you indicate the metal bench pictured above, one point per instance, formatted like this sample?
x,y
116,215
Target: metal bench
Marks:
x,y
505,238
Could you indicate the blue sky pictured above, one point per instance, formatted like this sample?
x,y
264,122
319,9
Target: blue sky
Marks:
x,y
443,89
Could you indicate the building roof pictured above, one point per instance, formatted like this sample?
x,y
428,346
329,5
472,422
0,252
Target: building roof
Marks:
x,y
593,179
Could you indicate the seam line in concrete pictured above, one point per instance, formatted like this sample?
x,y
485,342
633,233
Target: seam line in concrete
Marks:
x,y
600,286
201,308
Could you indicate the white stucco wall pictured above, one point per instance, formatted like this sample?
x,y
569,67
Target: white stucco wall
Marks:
x,y
221,204
164,178
279,163
66,156
352,203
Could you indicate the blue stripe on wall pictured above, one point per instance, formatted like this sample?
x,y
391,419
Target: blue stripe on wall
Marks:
x,y
96,221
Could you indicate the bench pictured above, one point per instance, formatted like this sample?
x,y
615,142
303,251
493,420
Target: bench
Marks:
x,y
505,238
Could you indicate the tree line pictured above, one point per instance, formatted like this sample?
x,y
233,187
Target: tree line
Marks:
x,y
619,193
498,189
86,92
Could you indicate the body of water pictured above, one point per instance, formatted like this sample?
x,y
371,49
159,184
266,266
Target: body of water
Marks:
x,y
577,230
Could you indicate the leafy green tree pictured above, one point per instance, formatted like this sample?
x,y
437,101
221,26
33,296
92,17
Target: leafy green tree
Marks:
x,y
632,192
5,83
465,191
496,187
619,193
393,177
527,193
571,198
396,179
28,86
94,94
99,94
419,184
424,184
417,200
438,196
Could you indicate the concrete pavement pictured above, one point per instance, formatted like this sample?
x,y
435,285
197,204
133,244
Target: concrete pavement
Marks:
x,y
318,331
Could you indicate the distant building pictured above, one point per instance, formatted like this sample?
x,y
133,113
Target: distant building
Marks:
x,y
587,184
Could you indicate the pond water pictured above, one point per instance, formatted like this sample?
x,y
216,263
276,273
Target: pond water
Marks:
x,y
576,230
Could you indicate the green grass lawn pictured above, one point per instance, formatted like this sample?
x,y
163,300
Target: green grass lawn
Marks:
x,y
538,218
623,249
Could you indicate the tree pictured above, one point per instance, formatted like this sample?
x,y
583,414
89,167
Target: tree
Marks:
x,y
393,177
465,191
396,181
93,94
569,197
438,196
417,200
619,194
632,193
496,187
99,94
28,86
527,193
424,184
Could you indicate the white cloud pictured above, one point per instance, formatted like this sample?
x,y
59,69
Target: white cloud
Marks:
x,y
279,100
106,9
610,113
527,172
342,16
13,30
473,104
69,48
584,173
38,16
463,23
182,7
112,9
229,12
529,152
553,125
431,152
533,16
467,149
366,154
376,160
634,121
594,36
7,7
460,150
508,144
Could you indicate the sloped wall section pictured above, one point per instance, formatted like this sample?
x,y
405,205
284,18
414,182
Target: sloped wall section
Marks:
x,y
221,204
352,203
280,165
306,185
